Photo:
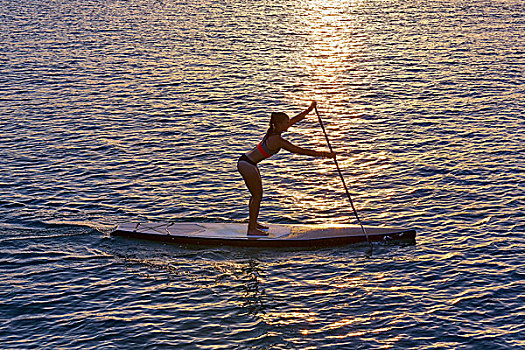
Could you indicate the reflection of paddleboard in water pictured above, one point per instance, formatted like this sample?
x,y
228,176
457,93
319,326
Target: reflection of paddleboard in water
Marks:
x,y
278,235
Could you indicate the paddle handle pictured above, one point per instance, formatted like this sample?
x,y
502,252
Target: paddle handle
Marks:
x,y
341,176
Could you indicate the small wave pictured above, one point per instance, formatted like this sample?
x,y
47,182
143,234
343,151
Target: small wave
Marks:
x,y
29,238
40,229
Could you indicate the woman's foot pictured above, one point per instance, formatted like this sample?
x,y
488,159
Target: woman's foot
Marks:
x,y
262,227
256,232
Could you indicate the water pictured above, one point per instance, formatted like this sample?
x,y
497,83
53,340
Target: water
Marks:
x,y
138,110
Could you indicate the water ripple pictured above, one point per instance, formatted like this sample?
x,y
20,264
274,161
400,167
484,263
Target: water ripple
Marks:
x,y
138,110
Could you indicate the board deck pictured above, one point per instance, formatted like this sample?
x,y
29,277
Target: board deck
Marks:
x,y
279,235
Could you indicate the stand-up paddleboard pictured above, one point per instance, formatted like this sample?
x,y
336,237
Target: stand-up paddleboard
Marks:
x,y
279,235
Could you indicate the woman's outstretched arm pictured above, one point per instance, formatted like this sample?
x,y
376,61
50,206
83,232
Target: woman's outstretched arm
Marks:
x,y
303,114
308,152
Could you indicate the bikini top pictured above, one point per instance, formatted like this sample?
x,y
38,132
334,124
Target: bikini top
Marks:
x,y
263,149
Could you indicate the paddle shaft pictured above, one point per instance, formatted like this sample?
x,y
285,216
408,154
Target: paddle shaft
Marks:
x,y
341,176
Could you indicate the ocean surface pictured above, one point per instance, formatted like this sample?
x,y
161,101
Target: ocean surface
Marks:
x,y
118,111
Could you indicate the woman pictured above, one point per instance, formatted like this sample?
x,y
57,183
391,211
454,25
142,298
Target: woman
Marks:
x,y
271,143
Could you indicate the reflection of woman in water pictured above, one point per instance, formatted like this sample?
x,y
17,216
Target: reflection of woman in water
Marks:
x,y
271,143
252,296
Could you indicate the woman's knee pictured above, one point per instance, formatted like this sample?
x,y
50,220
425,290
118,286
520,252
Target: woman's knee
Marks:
x,y
257,196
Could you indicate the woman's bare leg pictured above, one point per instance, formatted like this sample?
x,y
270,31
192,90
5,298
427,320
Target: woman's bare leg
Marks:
x,y
252,178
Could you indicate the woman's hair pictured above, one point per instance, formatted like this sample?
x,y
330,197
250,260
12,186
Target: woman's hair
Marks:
x,y
276,118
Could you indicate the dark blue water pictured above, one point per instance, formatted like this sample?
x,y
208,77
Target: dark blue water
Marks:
x,y
116,111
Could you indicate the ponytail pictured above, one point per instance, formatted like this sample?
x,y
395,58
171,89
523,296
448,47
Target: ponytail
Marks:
x,y
272,127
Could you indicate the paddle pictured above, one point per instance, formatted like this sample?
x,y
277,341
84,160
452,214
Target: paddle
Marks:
x,y
343,180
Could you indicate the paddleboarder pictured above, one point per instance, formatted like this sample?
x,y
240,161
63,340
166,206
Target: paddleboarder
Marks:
x,y
271,143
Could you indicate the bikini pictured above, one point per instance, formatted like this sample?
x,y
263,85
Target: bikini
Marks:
x,y
244,158
263,149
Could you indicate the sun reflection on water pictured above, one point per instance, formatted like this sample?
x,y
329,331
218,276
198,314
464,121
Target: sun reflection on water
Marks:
x,y
331,56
